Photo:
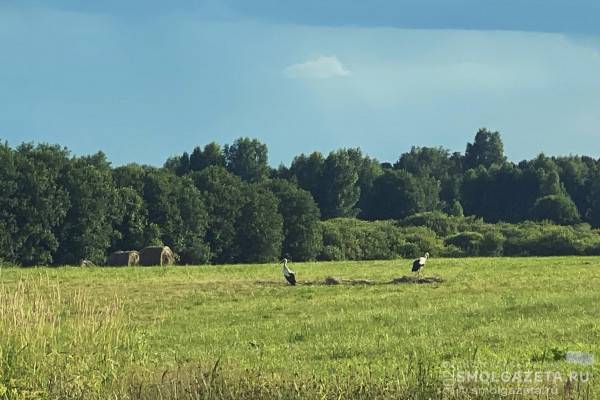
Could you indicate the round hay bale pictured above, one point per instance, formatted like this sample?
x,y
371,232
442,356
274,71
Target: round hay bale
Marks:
x,y
330,280
123,258
157,255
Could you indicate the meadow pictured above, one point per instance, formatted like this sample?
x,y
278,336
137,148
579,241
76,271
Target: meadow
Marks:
x,y
494,328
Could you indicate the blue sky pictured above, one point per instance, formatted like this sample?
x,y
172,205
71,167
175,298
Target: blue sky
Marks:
x,y
142,80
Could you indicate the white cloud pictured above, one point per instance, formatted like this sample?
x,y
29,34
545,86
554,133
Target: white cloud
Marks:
x,y
322,67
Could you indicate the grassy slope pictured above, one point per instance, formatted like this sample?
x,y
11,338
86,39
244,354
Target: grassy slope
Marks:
x,y
490,311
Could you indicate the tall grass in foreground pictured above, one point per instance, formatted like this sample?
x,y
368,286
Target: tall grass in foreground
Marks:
x,y
57,346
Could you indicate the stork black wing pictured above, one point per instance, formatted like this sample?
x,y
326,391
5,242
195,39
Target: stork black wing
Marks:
x,y
416,265
291,278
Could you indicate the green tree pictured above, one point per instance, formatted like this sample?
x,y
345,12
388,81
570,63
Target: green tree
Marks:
x,y
308,173
302,232
259,234
501,193
172,164
397,194
196,162
132,225
8,202
368,169
223,195
340,191
130,175
212,155
159,198
177,209
33,202
434,161
438,163
487,149
593,198
88,229
456,209
574,175
547,174
188,239
184,164
247,158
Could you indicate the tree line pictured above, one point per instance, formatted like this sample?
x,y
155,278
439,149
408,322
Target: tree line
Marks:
x,y
225,204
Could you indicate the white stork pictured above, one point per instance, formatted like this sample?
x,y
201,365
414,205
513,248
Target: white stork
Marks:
x,y
288,274
419,264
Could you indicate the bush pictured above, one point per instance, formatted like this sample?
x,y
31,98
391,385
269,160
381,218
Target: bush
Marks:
x,y
492,243
547,240
469,242
420,240
331,253
445,225
438,222
557,242
452,251
593,250
352,239
410,250
469,236
340,234
556,208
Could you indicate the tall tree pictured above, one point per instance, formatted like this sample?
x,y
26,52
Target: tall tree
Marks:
x,y
130,175
308,173
88,230
188,238
132,225
438,163
487,149
339,186
434,161
8,202
172,164
176,207
397,194
223,195
184,164
301,228
247,158
547,173
212,155
368,169
259,235
574,174
593,190
33,202
196,162
501,193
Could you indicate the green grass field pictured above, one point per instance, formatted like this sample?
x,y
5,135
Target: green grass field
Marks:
x,y
240,332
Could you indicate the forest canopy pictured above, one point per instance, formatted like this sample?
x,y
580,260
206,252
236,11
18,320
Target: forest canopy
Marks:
x,y
224,204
